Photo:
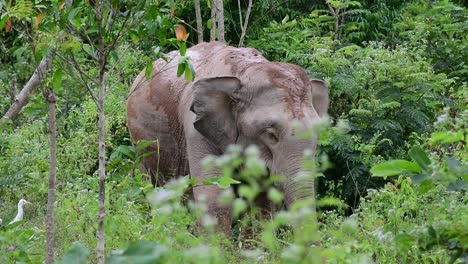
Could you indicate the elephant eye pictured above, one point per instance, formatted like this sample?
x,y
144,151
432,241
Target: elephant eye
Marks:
x,y
270,136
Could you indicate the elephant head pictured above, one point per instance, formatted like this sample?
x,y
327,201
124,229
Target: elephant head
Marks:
x,y
269,108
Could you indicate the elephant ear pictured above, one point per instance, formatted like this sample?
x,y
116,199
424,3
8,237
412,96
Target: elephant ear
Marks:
x,y
212,104
320,98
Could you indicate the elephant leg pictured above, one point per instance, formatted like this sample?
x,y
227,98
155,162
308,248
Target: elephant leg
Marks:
x,y
265,206
197,149
223,214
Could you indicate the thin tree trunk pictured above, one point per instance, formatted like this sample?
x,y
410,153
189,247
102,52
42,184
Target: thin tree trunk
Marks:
x,y
240,15
102,138
199,21
50,98
246,23
213,20
22,98
220,16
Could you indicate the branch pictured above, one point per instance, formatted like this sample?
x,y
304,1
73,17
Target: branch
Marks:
x,y
268,12
110,19
81,74
331,9
22,98
117,37
246,22
240,15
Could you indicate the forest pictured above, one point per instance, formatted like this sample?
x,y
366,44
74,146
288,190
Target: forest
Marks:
x,y
390,168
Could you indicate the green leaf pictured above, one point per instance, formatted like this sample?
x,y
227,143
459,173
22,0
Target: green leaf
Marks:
x,y
76,254
114,56
149,70
457,167
394,167
134,36
143,252
238,207
143,144
57,79
331,202
89,50
192,70
426,185
446,137
3,21
19,52
248,192
274,195
72,13
420,156
142,156
125,150
180,69
223,182
209,24
404,242
188,72
183,49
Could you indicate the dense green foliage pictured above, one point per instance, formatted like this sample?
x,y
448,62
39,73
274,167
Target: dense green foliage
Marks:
x,y
393,154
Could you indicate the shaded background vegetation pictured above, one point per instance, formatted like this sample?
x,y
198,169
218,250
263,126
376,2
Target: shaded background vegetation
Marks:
x,y
397,73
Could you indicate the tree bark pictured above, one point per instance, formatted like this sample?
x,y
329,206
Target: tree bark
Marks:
x,y
246,23
102,137
220,17
199,21
50,99
213,20
22,98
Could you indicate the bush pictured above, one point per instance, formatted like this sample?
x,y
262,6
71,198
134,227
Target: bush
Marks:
x,y
388,96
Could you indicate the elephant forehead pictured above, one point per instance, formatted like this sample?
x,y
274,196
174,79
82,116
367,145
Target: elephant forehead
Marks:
x,y
288,77
268,95
262,116
241,60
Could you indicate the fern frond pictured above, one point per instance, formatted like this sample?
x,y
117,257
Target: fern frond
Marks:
x,y
22,10
414,117
9,180
386,125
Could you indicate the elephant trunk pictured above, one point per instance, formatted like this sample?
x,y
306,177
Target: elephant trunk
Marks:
x,y
299,182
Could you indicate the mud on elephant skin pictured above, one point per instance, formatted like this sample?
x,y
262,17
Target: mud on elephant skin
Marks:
x,y
238,97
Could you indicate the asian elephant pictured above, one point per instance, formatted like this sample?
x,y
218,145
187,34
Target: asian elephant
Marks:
x,y
237,97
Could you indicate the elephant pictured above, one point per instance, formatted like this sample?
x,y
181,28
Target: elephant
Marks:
x,y
237,97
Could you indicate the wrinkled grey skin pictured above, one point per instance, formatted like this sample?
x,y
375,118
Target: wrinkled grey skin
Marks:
x,y
239,97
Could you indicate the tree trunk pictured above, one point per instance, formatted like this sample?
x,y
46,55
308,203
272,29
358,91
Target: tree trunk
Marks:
x,y
220,17
102,137
50,99
213,20
22,98
246,23
199,21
